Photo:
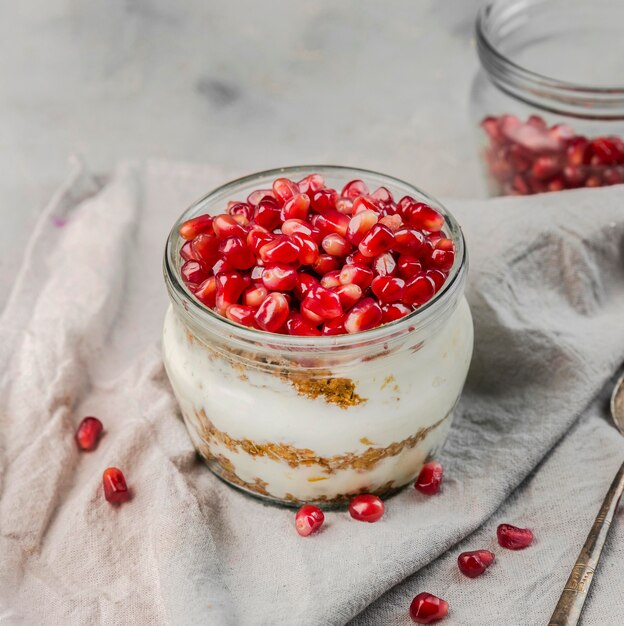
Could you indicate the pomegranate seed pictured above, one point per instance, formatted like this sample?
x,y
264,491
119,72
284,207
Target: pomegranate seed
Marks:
x,y
319,305
273,312
279,277
324,200
418,290
309,252
331,279
545,167
430,478
473,564
348,295
514,538
235,251
357,258
281,250
365,203
206,249
226,226
308,520
356,274
332,222
241,314
491,127
258,237
255,296
207,292
290,227
311,183
305,283
344,205
354,188
334,327
193,272
241,208
115,488
578,153
296,325
360,224
556,184
385,265
284,190
366,314
392,312
442,260
437,277
88,433
366,508
296,208
325,263
388,289
186,252
409,266
427,608
230,286
382,194
377,240
393,222
605,149
195,226
255,197
336,245
424,217
267,214
408,241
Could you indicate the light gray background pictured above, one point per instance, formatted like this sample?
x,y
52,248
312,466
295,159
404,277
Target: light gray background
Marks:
x,y
247,84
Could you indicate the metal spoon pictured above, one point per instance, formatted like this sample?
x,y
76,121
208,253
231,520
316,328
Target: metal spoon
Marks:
x,y
568,609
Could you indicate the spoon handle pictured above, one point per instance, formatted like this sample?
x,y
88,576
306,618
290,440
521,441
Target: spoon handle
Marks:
x,y
570,605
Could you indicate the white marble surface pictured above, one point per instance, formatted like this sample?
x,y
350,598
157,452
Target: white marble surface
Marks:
x,y
247,84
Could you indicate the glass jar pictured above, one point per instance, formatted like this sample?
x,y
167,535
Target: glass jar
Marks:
x,y
317,419
549,99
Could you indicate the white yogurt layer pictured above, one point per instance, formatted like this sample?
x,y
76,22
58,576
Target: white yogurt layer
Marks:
x,y
405,392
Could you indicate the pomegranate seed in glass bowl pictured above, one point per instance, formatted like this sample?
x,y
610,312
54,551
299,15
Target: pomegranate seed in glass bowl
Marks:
x,y
317,346
549,99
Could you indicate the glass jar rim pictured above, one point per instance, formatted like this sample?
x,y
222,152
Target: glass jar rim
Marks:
x,y
213,322
543,91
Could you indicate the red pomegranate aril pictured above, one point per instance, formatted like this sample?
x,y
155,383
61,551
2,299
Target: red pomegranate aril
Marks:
x,y
241,314
577,152
442,260
324,200
388,289
254,296
290,227
430,478
360,224
357,258
284,189
545,167
385,265
309,252
425,217
273,312
186,252
88,433
366,508
418,290
308,520
282,249
393,222
305,283
605,149
226,226
296,208
344,205
473,564
377,240
438,278
382,194
336,245
334,327
393,312
230,286
354,189
356,274
194,272
365,203
235,251
207,292
311,183
267,214
115,488
331,279
348,294
331,222
427,608
206,249
296,325
409,266
255,197
257,237
408,241
195,226
319,305
325,263
366,314
276,277
514,538
491,127
241,208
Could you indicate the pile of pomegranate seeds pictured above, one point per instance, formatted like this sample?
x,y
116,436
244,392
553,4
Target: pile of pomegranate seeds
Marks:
x,y
115,488
308,520
530,157
514,538
427,608
430,478
88,433
473,564
304,259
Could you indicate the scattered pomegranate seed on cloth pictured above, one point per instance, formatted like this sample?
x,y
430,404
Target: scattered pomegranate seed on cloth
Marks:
x,y
427,608
88,433
115,488
473,564
514,538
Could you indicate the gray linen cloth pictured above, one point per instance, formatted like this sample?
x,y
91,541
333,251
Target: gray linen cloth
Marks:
x,y
530,444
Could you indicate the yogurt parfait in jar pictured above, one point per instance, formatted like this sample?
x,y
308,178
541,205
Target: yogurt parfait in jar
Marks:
x,y
318,337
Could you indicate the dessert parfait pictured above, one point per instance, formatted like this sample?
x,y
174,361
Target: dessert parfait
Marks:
x,y
318,337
